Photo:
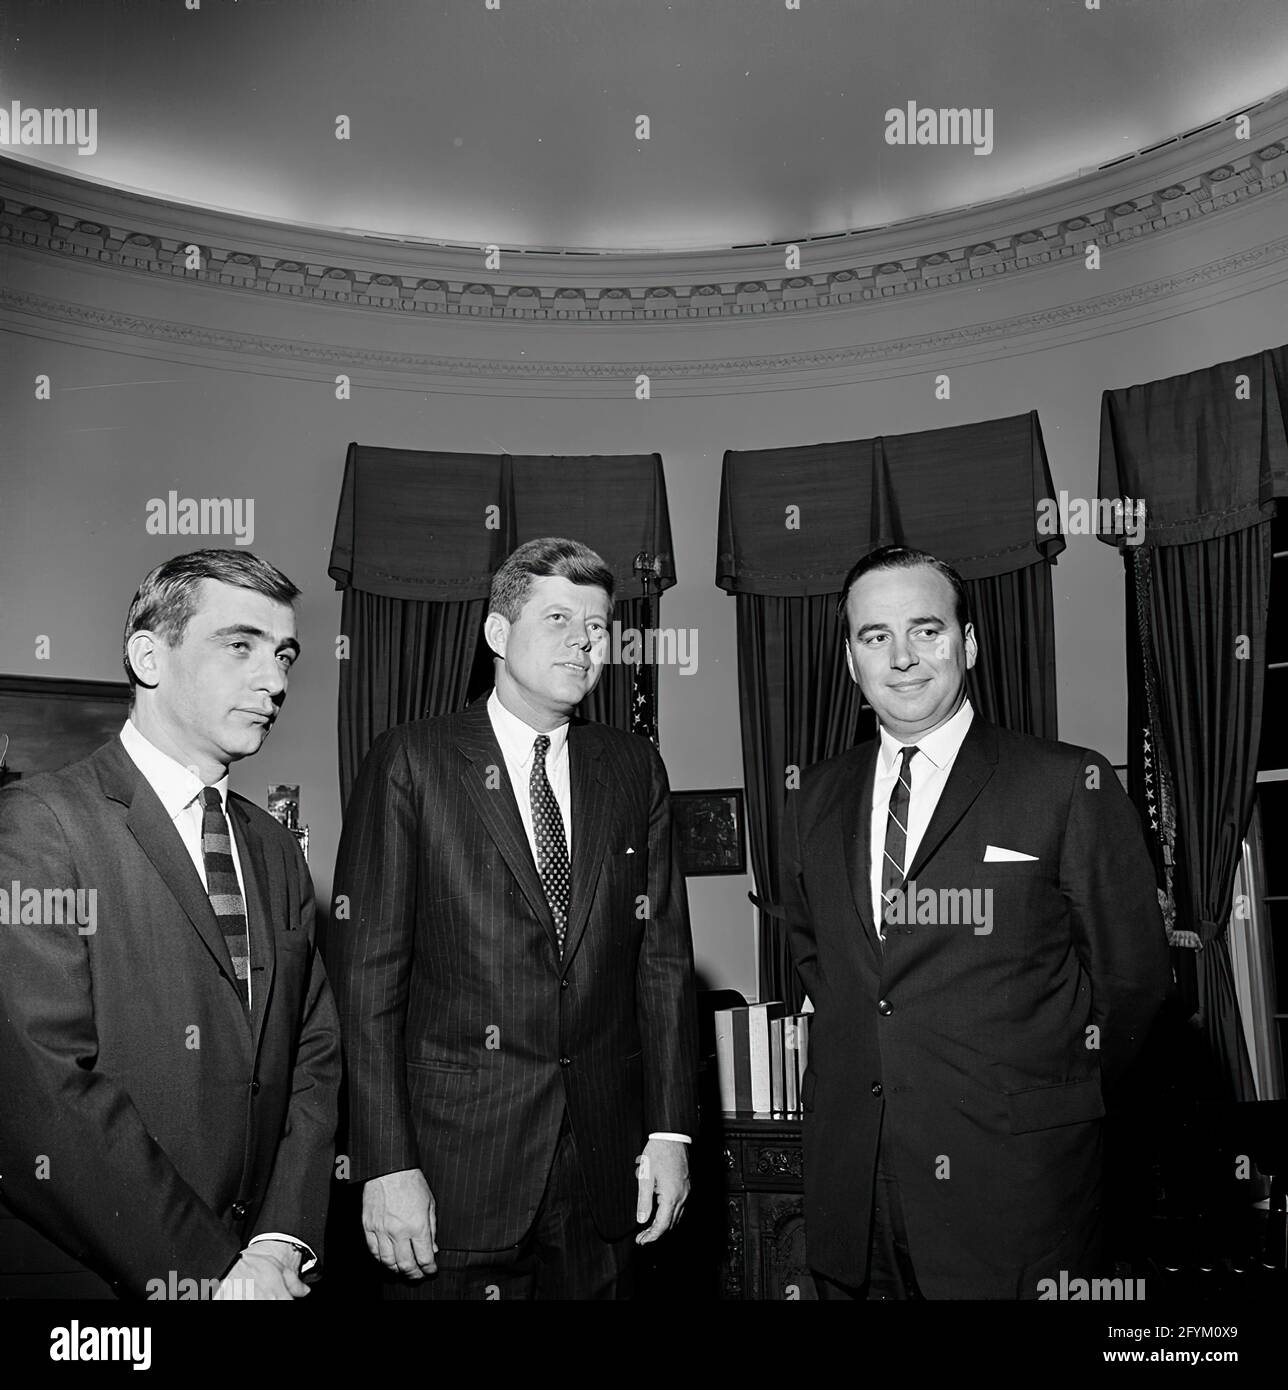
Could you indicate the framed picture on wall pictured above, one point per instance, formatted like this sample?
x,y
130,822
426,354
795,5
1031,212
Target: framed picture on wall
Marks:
x,y
711,830
49,722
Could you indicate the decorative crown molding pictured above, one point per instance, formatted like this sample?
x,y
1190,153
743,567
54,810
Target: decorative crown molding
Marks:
x,y
64,319
49,213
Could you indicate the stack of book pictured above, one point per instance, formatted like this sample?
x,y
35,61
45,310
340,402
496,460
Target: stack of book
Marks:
x,y
761,1055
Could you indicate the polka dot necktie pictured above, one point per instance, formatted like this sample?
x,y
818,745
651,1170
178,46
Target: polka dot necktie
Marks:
x,y
221,884
552,844
896,838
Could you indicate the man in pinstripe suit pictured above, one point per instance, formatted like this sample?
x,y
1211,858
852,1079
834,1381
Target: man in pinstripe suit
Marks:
x,y
515,974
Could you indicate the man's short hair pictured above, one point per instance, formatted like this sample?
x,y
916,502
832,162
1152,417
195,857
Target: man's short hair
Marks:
x,y
903,557
167,598
540,559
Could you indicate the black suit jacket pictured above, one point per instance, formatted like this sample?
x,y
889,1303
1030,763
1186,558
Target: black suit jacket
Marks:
x,y
983,1055
466,1034
147,1126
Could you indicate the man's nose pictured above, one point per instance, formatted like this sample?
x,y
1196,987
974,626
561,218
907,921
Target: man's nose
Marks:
x,y
578,635
902,654
272,677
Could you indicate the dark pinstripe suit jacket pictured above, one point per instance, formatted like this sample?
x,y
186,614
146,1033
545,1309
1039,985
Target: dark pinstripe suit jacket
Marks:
x,y
465,1033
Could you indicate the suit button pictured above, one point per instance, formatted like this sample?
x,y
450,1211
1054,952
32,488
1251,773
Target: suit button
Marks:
x,y
239,1210
563,984
876,1088
565,1061
254,1087
885,1008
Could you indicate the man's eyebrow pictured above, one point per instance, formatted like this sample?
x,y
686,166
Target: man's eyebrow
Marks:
x,y
912,622
250,630
557,607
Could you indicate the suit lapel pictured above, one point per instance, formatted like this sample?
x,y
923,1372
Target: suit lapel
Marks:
x,y
856,828
487,783
974,765
591,796
258,898
156,835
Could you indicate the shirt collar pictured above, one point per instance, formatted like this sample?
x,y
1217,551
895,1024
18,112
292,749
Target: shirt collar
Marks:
x,y
516,738
173,783
940,745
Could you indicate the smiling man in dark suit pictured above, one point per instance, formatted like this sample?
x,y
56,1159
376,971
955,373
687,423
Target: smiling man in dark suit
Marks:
x,y
168,1071
974,916
515,974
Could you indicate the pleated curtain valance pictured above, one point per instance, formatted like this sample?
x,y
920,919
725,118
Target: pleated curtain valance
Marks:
x,y
1207,452
793,521
436,526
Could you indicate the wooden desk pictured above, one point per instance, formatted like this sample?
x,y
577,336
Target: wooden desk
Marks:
x,y
764,1210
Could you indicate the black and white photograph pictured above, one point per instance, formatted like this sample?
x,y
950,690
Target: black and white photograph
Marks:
x,y
767,516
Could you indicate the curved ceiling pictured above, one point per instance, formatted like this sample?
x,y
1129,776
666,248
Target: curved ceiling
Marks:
x,y
518,124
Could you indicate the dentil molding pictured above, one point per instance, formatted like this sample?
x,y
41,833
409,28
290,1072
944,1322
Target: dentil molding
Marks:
x,y
48,213
80,322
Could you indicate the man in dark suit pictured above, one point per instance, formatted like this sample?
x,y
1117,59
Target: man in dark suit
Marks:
x,y
169,1056
515,974
975,919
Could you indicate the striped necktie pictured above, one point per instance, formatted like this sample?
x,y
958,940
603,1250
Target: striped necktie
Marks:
x,y
896,836
552,843
225,891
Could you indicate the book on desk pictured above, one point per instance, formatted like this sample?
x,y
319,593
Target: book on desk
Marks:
x,y
761,1055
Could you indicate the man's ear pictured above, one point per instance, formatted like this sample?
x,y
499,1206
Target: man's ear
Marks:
x,y
849,664
968,642
496,632
144,651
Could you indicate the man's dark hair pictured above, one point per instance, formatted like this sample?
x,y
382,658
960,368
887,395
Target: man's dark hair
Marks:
x,y
167,598
902,557
540,559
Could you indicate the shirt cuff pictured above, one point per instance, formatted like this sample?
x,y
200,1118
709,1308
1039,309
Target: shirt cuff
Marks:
x,y
679,1138
307,1258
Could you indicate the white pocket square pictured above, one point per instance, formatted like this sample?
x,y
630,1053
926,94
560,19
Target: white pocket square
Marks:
x,y
630,851
995,854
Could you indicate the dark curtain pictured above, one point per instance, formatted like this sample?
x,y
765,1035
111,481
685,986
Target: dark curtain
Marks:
x,y
1196,707
797,706
1013,680
1208,454
792,523
418,537
408,659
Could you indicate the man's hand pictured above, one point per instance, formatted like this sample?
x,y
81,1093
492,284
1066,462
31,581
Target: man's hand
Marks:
x,y
662,1170
401,1223
269,1269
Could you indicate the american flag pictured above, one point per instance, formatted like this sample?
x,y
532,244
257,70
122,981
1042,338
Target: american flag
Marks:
x,y
643,705
643,696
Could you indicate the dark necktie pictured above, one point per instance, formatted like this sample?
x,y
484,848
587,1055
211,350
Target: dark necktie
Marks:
x,y
896,836
221,884
552,844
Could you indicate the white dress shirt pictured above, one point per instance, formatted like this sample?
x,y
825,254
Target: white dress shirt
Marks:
x,y
179,790
928,772
516,739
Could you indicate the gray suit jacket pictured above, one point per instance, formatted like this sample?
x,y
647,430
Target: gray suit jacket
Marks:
x,y
149,1128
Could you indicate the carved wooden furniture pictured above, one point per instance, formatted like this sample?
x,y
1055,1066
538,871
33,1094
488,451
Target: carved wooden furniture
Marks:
x,y
764,1215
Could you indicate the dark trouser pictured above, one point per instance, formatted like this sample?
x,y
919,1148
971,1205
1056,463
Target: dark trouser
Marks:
x,y
563,1256
890,1273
